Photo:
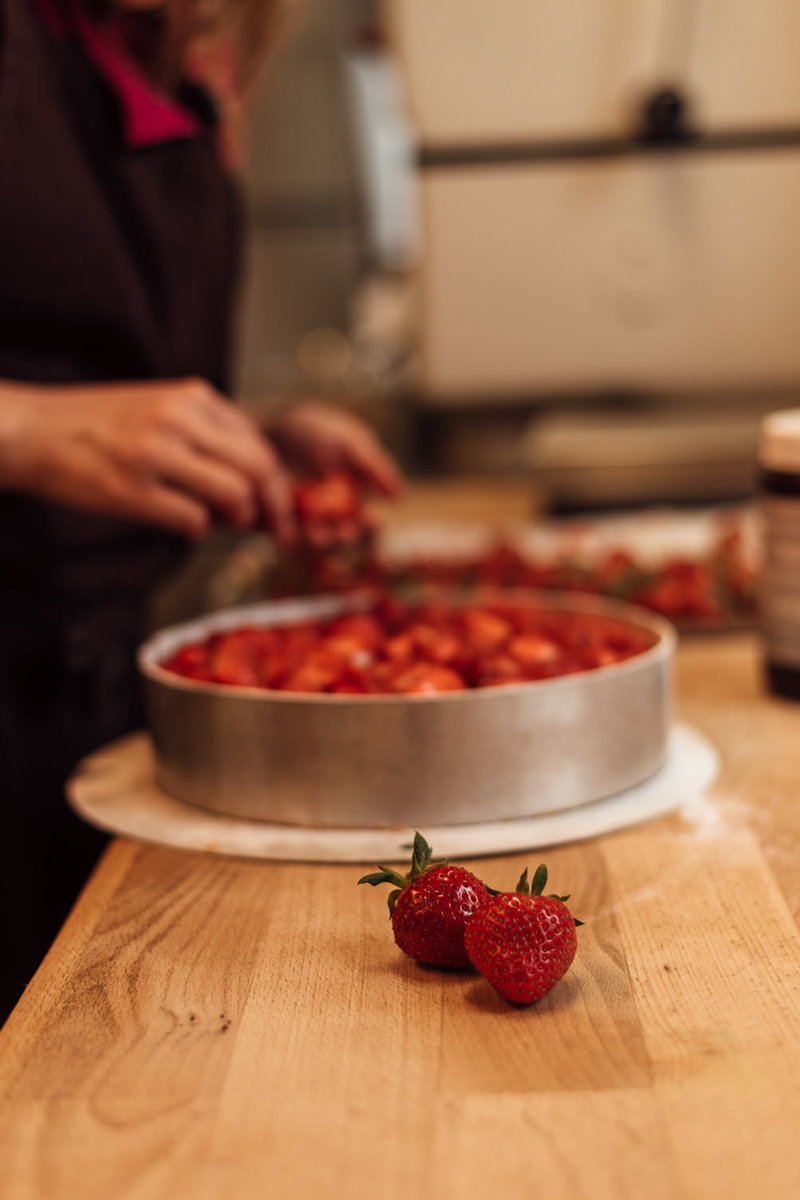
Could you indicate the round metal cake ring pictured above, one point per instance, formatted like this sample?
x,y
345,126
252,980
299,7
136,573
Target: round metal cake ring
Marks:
x,y
341,761
115,790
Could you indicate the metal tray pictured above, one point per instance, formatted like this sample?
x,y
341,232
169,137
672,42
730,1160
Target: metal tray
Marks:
x,y
378,761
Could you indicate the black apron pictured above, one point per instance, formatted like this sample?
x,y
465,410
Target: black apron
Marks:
x,y
115,264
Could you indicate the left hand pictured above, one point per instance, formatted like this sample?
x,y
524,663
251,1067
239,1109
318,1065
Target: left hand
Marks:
x,y
315,439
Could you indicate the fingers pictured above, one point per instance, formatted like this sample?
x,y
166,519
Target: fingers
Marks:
x,y
227,492
227,462
177,454
277,498
99,486
366,456
158,504
324,439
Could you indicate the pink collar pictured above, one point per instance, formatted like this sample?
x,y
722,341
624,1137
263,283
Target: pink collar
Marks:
x,y
149,116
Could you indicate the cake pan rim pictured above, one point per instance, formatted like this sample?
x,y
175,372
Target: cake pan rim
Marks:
x,y
330,604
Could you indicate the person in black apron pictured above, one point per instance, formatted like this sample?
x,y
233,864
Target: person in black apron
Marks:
x,y
118,264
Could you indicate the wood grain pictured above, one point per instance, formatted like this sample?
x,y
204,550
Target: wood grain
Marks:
x,y
216,1029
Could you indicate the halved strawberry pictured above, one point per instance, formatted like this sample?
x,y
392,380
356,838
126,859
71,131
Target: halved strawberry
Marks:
x,y
484,631
330,498
532,650
427,678
241,657
190,661
330,511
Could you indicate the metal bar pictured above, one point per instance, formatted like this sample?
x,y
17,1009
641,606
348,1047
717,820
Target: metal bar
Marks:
x,y
576,149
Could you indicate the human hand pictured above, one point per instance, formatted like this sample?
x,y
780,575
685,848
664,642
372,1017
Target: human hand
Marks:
x,y
172,453
314,439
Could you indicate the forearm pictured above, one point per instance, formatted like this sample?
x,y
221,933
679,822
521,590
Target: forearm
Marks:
x,y
19,404
172,453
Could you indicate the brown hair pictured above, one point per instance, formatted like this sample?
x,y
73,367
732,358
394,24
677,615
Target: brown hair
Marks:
x,y
221,44
243,33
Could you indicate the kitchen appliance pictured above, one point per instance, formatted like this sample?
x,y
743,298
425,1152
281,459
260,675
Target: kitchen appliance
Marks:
x,y
609,195
608,275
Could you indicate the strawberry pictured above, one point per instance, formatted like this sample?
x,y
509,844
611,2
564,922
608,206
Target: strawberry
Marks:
x,y
333,497
430,907
521,941
329,511
427,679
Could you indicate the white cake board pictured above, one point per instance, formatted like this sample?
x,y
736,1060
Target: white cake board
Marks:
x,y
115,790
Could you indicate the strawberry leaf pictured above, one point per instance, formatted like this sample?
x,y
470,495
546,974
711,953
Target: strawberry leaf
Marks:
x,y
420,856
384,875
539,880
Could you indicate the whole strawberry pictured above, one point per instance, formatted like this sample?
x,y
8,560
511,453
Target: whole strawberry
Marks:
x,y
523,942
430,907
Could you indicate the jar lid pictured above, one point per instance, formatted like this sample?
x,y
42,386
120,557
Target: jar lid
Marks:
x,y
779,442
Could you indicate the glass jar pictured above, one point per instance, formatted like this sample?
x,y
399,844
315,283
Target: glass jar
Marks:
x,y
779,510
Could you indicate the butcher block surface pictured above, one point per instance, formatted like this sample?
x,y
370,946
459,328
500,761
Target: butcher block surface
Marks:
x,y
210,1028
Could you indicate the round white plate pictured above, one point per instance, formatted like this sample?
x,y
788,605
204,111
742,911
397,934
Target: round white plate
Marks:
x,y
115,790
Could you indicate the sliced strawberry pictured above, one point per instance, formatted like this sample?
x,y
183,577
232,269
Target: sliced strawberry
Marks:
x,y
366,628
533,650
424,642
330,498
428,678
192,662
330,511
242,656
484,631
318,672
495,670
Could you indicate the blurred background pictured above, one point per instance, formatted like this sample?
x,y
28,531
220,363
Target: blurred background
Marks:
x,y
550,245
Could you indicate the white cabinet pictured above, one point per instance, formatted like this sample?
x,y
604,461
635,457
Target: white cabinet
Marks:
x,y
590,263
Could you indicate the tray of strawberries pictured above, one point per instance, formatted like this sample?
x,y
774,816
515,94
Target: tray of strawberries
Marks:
x,y
698,567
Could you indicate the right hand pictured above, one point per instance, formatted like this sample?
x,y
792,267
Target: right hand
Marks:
x,y
172,453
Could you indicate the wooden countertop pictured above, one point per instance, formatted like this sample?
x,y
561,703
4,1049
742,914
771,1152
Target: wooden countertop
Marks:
x,y
213,1029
